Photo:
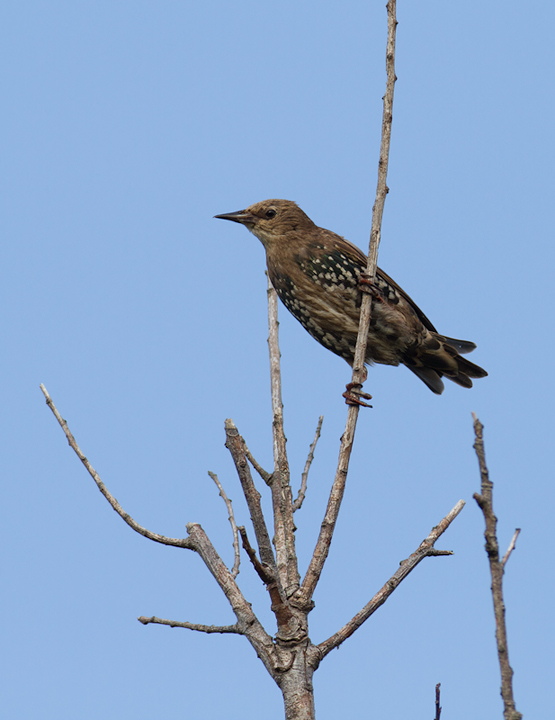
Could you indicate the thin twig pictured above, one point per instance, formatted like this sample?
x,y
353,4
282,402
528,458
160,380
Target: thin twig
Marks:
x,y
511,547
438,706
328,525
485,501
425,549
304,477
264,474
282,497
176,542
236,550
191,626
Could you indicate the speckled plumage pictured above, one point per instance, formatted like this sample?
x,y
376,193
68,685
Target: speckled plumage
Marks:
x,y
316,274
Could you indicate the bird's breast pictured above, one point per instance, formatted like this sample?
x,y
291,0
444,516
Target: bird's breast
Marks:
x,y
324,297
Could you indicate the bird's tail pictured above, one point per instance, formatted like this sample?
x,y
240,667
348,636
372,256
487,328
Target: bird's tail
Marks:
x,y
440,356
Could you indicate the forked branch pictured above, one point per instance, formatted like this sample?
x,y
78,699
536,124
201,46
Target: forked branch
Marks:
x,y
425,549
247,622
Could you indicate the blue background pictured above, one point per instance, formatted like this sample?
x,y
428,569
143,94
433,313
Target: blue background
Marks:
x,y
126,126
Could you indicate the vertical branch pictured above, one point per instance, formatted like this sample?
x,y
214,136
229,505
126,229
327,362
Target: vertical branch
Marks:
x,y
485,501
282,498
387,119
438,706
381,192
234,443
328,525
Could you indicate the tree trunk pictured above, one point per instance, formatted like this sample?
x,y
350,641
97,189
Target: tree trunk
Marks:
x,y
296,685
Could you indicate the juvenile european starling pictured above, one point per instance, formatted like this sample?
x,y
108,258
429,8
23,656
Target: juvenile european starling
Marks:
x,y
317,275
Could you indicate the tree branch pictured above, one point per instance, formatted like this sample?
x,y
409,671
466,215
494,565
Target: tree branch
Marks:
x,y
485,501
236,550
336,496
304,477
438,706
247,622
425,549
282,497
511,547
261,571
272,578
287,625
235,444
264,474
176,542
191,626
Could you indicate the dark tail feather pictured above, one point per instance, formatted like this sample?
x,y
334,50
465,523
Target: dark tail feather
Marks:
x,y
470,369
437,357
461,346
461,379
430,377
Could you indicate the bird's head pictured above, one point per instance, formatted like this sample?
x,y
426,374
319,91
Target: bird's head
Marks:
x,y
271,220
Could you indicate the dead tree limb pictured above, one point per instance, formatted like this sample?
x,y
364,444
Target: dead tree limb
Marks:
x,y
247,622
485,501
425,549
438,706
176,542
222,629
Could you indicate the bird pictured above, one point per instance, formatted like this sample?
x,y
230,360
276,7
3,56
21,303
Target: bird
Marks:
x,y
319,277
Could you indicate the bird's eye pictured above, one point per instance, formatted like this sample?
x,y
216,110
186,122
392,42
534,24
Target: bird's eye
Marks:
x,y
271,213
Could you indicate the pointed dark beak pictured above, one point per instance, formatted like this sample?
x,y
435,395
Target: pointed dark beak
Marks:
x,y
241,216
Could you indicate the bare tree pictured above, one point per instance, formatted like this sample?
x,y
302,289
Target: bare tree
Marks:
x,y
289,654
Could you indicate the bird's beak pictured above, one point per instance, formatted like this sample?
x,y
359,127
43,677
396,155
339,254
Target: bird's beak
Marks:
x,y
241,216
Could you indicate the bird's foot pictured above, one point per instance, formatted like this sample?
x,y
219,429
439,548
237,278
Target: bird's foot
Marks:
x,y
353,395
366,284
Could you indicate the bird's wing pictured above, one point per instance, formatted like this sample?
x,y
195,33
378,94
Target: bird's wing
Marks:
x,y
355,255
423,319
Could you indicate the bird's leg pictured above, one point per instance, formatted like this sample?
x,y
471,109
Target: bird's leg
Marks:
x,y
367,285
353,393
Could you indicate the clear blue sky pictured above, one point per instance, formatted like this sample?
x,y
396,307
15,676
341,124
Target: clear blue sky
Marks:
x,y
125,127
